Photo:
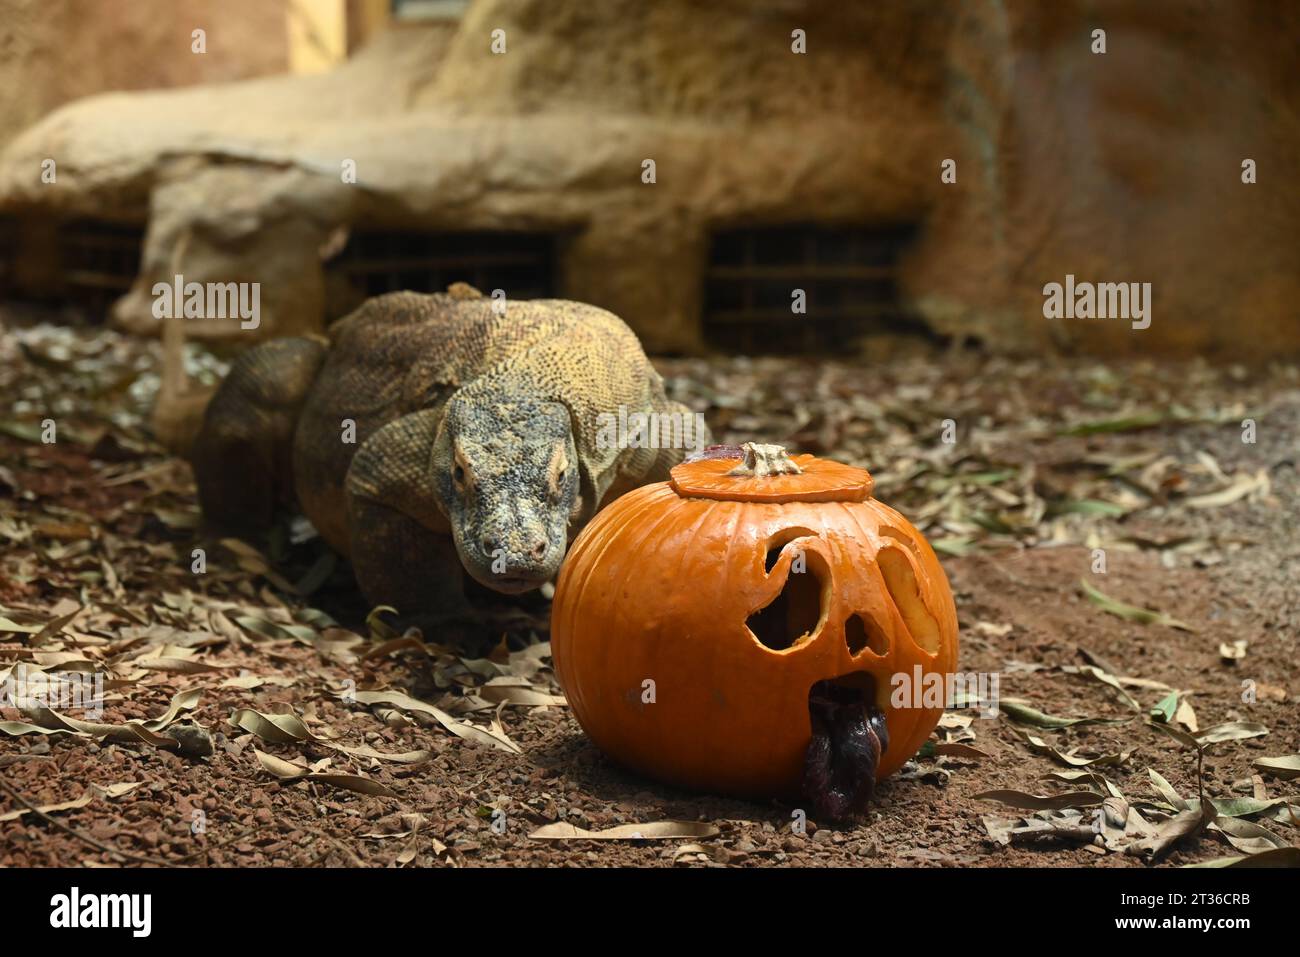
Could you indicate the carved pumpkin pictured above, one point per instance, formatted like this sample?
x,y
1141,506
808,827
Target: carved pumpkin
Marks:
x,y
706,629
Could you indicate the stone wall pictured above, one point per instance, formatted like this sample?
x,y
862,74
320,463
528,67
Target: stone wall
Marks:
x,y
53,51
1124,166
1114,167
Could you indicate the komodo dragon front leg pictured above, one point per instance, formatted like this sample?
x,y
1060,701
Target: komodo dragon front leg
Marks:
x,y
402,551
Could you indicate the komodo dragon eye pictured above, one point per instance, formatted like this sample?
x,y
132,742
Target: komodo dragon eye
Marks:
x,y
557,473
462,476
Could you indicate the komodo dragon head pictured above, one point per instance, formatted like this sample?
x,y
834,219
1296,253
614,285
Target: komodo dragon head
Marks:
x,y
506,475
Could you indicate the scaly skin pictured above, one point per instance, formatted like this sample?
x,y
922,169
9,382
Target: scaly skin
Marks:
x,y
476,439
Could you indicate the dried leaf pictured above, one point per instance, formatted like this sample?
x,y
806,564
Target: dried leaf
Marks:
x,y
656,831
50,808
1233,652
1166,790
515,691
958,750
1099,674
1248,836
291,773
1249,807
1037,802
462,729
1183,825
1232,731
1281,857
1040,746
1242,485
1142,616
276,728
1285,767
1020,711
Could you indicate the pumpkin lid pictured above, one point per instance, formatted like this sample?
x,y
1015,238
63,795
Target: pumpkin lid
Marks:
x,y
765,473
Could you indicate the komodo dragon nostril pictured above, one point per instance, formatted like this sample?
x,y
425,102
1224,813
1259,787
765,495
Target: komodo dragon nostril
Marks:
x,y
489,545
539,549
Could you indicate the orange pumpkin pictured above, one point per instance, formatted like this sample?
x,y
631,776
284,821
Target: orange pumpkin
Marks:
x,y
692,618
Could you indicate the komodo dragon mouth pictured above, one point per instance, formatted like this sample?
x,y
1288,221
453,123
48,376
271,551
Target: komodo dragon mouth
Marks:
x,y
515,585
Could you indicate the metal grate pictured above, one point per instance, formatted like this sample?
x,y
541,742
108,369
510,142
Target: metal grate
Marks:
x,y
99,261
8,255
429,9
374,262
848,273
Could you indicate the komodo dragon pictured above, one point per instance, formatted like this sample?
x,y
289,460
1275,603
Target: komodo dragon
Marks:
x,y
478,440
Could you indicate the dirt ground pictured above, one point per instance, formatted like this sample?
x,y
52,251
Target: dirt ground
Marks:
x,y
335,741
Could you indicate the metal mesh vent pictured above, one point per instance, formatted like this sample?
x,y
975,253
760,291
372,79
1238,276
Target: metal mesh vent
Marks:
x,y
375,262
849,274
99,261
8,253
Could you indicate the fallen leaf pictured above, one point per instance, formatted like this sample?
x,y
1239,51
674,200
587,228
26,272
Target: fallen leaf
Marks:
x,y
1036,802
462,729
1099,674
957,750
1233,652
1040,746
1281,857
291,774
1018,710
1183,825
1166,790
1232,731
1248,836
50,808
1142,616
276,728
1242,485
1285,767
515,691
655,831
690,850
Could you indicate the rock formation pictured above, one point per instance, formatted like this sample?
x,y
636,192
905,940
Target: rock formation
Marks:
x,y
1123,166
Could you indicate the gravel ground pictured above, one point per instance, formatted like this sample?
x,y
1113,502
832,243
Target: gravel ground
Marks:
x,y
335,741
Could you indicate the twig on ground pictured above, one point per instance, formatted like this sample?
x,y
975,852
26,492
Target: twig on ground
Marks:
x,y
84,838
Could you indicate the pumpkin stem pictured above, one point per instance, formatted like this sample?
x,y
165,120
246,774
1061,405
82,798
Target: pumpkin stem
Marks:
x,y
762,461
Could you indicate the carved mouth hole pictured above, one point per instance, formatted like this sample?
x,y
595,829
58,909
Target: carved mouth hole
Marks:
x,y
848,736
859,686
794,614
863,631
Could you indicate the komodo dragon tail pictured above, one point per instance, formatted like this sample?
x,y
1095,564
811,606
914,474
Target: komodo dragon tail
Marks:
x,y
243,453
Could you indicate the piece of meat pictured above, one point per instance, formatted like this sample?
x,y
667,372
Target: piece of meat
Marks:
x,y
848,737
